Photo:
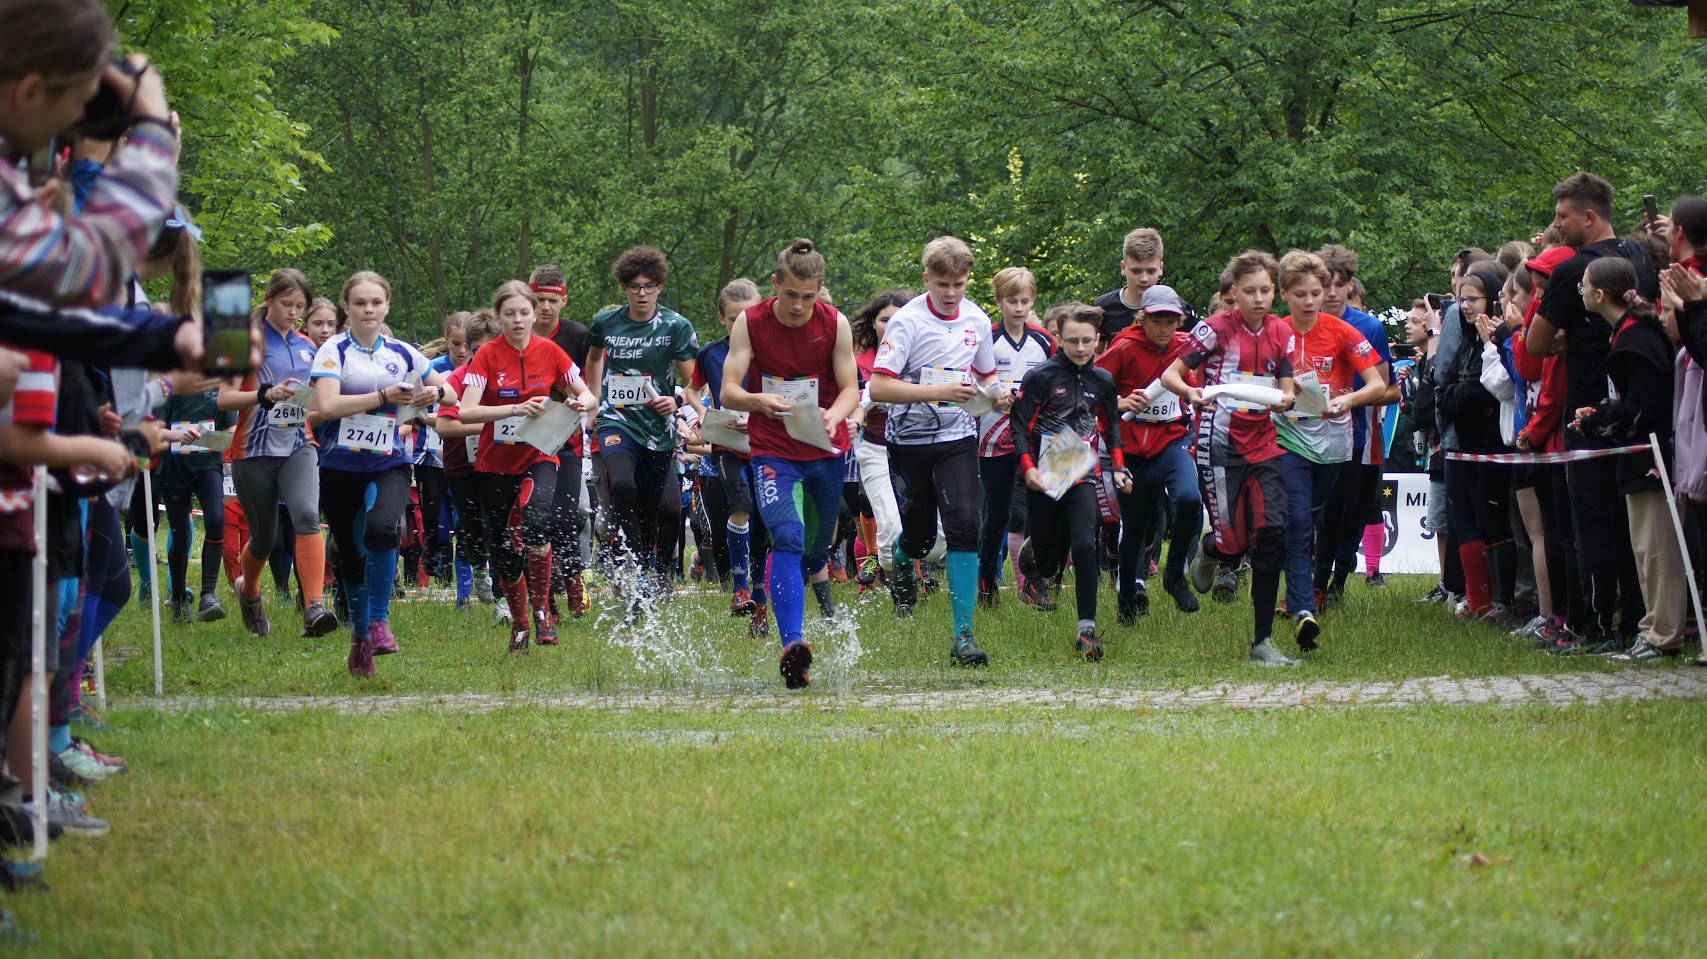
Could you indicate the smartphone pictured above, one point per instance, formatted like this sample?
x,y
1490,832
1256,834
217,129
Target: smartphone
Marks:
x,y
1437,302
1650,209
227,297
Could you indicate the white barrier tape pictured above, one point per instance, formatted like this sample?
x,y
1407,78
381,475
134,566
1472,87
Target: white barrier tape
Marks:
x,y
1569,456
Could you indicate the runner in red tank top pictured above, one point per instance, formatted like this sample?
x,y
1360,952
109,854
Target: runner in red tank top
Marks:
x,y
791,362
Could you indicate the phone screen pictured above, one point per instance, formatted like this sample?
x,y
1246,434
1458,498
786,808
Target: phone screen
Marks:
x,y
226,299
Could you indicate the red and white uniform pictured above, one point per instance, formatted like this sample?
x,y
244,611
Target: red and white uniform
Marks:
x,y
1136,363
1014,359
1222,348
506,375
921,345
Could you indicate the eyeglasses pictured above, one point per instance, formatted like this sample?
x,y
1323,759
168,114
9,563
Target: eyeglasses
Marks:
x,y
1081,341
647,290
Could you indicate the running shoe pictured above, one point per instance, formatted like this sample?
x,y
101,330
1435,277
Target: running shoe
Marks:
x,y
1327,599
544,630
1203,567
1226,584
1174,585
1375,581
317,620
519,642
81,769
74,821
1140,597
760,625
1530,629
1501,615
379,633
867,573
1089,645
180,610
19,875
987,596
254,612
1034,592
966,651
1305,629
483,587
796,659
838,569
114,763
1150,569
904,589
1126,612
927,578
1264,654
1642,652
501,614
579,605
741,603
1436,595
361,658
211,611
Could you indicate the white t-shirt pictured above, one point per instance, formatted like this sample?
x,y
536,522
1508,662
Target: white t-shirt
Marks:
x,y
921,347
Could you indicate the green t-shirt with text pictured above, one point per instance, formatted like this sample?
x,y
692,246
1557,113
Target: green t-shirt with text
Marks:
x,y
632,351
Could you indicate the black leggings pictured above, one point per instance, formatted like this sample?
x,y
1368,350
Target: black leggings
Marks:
x,y
646,501
344,494
1075,517
1478,502
473,541
997,473
519,508
566,520
933,479
209,492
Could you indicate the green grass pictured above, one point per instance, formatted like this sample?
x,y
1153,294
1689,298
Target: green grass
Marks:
x,y
1423,832
693,644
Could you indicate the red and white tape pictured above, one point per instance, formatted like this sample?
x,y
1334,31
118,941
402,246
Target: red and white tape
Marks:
x,y
1569,456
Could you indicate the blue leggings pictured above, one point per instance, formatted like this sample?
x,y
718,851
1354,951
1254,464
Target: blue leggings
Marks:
x,y
1307,487
800,502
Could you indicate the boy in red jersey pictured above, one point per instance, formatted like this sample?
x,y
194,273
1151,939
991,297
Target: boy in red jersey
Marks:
x,y
1154,441
1237,453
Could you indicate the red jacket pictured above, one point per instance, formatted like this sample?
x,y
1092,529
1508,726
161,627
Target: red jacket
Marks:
x,y
1135,363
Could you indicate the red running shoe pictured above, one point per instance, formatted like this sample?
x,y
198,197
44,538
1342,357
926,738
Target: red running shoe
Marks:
x,y
741,603
796,659
384,644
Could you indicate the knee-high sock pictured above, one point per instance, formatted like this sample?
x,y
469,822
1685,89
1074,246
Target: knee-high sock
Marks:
x,y
252,566
144,562
1478,586
1374,539
740,542
311,566
962,587
381,577
788,595
177,570
516,597
539,577
211,551
1265,589
464,579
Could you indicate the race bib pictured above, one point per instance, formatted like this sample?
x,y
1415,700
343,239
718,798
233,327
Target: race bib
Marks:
x,y
937,376
622,390
1164,408
206,426
1252,379
801,392
368,433
504,431
230,487
1011,370
287,414
472,445
435,442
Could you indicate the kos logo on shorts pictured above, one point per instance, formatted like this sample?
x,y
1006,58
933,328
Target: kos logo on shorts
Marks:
x,y
768,491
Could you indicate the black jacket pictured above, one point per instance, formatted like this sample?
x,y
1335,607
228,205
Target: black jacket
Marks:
x,y
1639,366
1057,395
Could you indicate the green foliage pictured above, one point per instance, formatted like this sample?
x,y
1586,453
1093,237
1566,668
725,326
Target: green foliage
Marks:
x,y
452,145
244,156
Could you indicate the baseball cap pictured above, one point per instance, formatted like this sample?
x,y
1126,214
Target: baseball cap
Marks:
x,y
1161,299
1548,260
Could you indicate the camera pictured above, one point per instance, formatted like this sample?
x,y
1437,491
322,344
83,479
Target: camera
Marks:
x,y
108,114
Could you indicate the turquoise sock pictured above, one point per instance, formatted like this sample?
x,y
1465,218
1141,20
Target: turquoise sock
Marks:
x,y
962,587
58,738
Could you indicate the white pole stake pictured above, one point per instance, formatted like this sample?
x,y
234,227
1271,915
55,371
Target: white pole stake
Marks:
x,y
1677,525
100,674
38,675
153,577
